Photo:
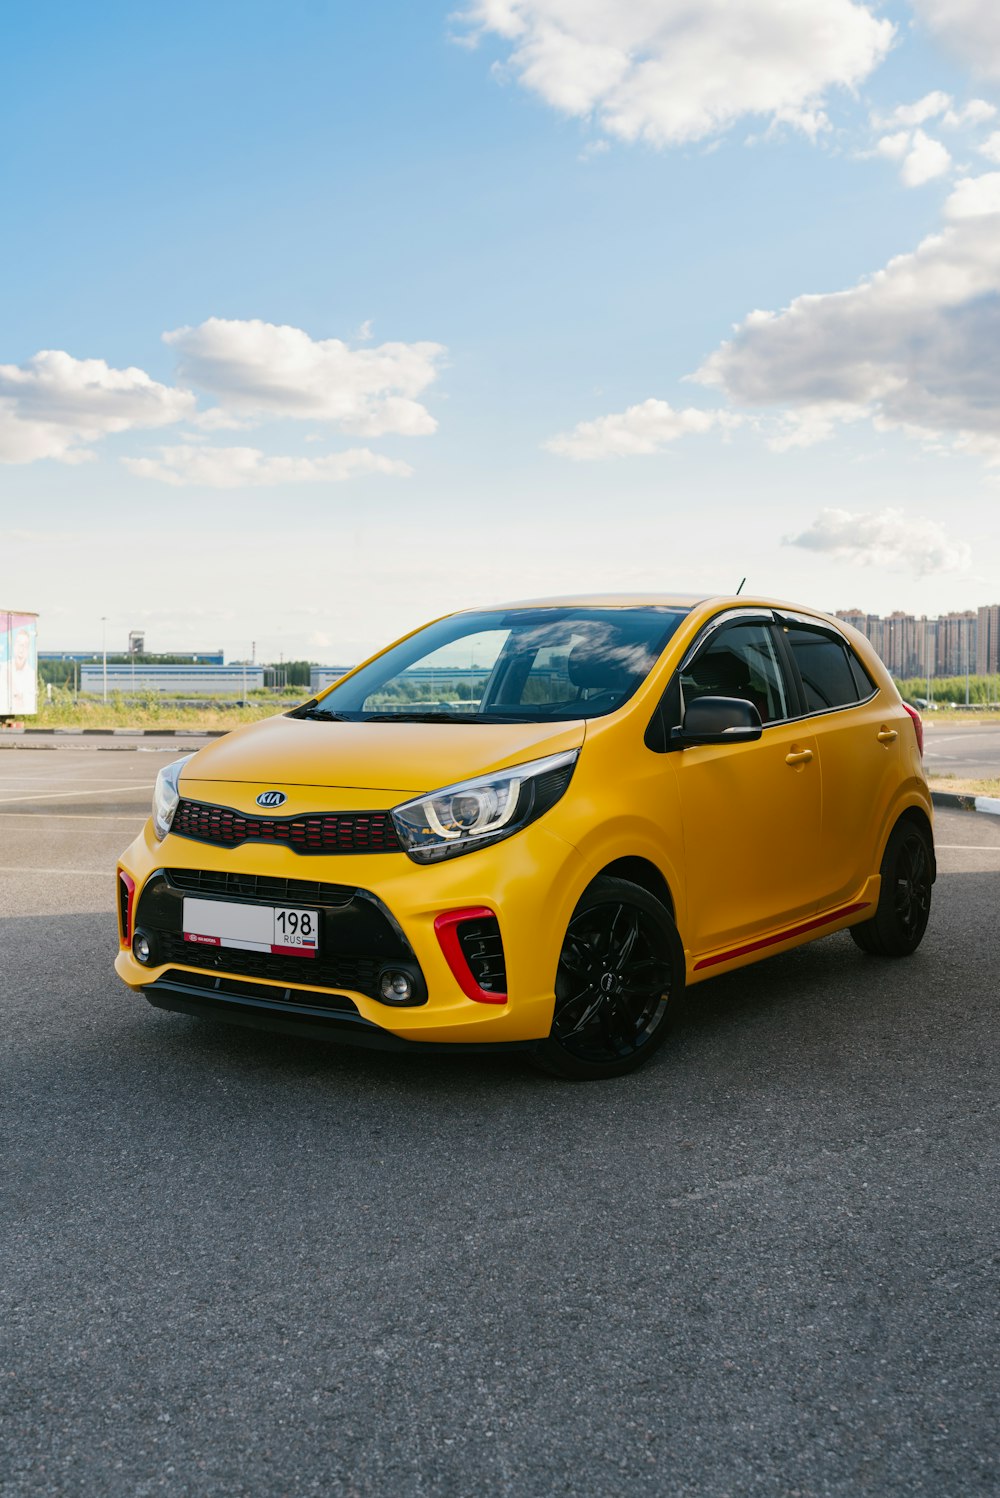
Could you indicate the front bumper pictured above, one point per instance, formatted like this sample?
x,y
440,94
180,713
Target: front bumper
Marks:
x,y
531,883
244,1004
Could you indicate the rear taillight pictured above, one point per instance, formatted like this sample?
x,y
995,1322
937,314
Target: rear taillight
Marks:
x,y
918,725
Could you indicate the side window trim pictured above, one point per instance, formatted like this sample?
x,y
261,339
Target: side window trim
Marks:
x,y
728,616
791,670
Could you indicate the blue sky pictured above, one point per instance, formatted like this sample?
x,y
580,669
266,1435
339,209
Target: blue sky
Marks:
x,y
485,249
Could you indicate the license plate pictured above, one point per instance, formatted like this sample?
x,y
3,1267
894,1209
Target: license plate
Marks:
x,y
255,928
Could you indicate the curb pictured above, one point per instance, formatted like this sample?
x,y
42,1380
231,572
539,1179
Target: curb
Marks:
x,y
148,733
989,804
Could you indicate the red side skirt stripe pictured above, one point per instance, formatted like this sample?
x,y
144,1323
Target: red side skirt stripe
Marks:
x,y
780,936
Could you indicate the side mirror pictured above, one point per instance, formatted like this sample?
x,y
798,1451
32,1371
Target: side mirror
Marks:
x,y
719,720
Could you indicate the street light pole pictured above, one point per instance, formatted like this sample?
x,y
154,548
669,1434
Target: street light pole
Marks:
x,y
104,651
966,668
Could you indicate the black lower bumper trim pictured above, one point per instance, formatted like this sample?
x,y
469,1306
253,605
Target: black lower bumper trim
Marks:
x,y
320,1024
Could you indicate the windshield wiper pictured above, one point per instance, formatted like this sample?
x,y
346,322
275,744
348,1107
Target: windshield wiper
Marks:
x,y
313,710
443,718
420,718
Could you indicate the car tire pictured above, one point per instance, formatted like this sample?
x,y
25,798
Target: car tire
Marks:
x,y
620,969
904,902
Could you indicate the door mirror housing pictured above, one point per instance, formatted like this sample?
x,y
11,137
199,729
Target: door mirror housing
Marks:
x,y
719,720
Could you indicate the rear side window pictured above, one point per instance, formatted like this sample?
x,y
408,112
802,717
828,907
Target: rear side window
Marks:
x,y
831,677
862,680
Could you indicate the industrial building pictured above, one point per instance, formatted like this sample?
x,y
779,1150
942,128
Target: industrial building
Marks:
x,y
234,680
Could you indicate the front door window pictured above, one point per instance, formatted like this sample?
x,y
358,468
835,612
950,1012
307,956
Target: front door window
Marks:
x,y
740,660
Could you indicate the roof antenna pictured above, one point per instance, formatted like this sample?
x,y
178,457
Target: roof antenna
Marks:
x,y
739,590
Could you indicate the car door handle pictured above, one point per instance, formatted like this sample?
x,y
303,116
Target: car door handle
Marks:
x,y
798,757
887,735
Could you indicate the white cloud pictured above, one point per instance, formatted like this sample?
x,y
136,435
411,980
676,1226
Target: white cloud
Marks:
x,y
976,112
52,404
668,71
923,157
645,428
991,146
937,106
218,419
257,369
926,159
975,198
888,538
927,108
593,148
916,346
894,146
971,28
242,467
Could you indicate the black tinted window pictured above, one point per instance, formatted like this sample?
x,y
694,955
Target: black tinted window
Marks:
x,y
741,660
824,664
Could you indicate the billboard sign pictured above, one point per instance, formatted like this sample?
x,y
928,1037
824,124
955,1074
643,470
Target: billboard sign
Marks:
x,y
18,664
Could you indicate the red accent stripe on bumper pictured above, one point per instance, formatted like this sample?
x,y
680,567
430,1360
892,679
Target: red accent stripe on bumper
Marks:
x,y
129,883
446,929
780,936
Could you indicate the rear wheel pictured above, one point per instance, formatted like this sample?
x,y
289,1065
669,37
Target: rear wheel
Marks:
x,y
904,903
621,963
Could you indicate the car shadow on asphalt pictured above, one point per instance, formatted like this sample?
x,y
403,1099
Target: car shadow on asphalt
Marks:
x,y
60,978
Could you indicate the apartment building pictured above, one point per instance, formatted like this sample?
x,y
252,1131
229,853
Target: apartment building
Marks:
x,y
988,640
951,645
956,643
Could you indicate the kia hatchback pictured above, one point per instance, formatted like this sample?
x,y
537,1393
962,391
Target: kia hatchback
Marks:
x,y
531,826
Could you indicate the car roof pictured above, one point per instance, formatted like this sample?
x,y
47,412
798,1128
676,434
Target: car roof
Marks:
x,y
684,601
610,601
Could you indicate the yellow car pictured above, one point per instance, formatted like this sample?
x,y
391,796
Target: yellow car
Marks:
x,y
530,826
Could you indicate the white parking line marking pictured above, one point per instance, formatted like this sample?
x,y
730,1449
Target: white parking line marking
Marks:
x,y
71,816
970,847
139,785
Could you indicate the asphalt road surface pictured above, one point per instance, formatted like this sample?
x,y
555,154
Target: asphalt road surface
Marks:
x,y
235,1263
961,749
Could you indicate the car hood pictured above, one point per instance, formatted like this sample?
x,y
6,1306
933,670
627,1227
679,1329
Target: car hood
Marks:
x,y
403,757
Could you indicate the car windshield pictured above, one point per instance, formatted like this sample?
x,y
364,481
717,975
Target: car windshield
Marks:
x,y
514,665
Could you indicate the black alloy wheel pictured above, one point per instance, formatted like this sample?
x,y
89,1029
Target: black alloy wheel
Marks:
x,y
904,904
621,963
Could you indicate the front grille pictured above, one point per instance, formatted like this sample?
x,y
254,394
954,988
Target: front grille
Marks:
x,y
482,948
322,832
337,971
268,891
235,989
358,937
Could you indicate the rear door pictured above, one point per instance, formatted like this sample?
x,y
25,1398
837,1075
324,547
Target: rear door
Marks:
x,y
858,737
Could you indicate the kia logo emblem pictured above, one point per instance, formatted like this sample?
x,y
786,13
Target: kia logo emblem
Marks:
x,y
271,798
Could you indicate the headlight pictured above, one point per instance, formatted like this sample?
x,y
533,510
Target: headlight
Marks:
x,y
470,815
166,795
